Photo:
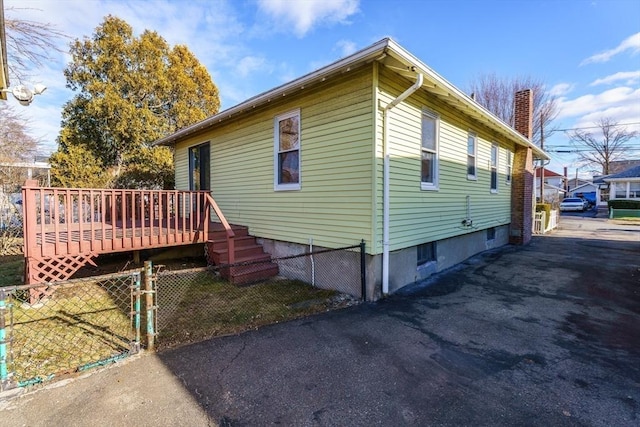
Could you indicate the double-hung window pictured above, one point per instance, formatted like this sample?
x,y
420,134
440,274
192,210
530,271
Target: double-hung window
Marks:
x,y
429,151
509,167
472,146
287,151
494,168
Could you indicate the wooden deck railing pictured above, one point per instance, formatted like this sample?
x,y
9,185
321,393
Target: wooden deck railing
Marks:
x,y
59,221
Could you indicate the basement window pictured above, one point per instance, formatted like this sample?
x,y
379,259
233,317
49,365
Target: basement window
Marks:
x,y
491,234
426,253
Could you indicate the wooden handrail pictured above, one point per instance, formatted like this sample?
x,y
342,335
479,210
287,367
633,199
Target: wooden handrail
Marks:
x,y
229,232
60,221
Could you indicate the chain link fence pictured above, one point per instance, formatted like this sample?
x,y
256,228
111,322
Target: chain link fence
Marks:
x,y
78,324
50,330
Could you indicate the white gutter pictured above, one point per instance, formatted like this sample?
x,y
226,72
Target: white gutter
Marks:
x,y
385,179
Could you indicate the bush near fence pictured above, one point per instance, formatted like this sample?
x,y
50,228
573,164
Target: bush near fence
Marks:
x,y
624,208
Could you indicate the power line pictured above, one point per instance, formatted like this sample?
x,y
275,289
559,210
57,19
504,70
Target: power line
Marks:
x,y
595,127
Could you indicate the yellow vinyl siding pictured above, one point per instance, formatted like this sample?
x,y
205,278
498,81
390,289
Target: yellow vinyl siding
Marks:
x,y
418,216
333,206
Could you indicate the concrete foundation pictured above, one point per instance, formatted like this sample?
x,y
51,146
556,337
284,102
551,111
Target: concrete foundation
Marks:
x,y
340,270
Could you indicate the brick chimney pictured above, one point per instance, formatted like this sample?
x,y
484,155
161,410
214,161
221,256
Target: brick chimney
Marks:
x,y
523,113
523,172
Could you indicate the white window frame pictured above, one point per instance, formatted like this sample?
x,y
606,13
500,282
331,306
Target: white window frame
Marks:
x,y
474,156
493,166
430,186
509,176
276,151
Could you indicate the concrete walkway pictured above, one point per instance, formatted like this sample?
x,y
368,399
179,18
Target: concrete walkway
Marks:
x,y
547,334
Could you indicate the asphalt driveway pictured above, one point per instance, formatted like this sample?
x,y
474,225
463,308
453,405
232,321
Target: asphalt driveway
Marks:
x,y
547,334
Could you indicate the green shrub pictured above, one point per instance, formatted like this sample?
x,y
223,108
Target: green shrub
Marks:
x,y
624,204
544,207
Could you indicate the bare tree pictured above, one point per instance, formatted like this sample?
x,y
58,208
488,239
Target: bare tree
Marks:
x,y
497,95
607,145
16,145
30,44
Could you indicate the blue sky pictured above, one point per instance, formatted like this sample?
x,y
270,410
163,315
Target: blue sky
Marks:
x,y
588,52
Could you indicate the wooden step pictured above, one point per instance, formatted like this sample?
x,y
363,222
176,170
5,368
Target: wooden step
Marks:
x,y
247,274
239,242
246,254
222,234
258,265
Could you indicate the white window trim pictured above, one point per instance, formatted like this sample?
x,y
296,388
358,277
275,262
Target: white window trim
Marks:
x,y
473,177
491,167
276,149
431,186
509,168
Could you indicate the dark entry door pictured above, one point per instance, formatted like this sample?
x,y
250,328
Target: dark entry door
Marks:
x,y
200,167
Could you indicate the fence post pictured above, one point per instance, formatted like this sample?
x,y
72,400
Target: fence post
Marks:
x,y
4,374
363,270
148,302
136,310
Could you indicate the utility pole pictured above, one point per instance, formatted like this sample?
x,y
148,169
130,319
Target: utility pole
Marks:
x,y
542,148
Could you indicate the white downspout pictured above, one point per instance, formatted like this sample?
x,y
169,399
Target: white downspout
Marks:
x,y
385,179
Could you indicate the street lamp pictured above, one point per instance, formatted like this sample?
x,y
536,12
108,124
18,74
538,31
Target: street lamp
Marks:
x,y
24,95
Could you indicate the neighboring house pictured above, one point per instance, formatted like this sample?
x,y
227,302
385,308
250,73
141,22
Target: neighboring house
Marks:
x,y
618,166
375,146
550,177
553,185
12,176
573,183
587,191
625,184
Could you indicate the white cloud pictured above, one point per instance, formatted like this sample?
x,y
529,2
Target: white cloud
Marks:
x,y
631,43
628,77
561,89
300,17
622,104
251,64
346,47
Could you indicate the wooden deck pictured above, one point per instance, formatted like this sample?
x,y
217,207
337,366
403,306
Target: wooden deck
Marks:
x,y
66,228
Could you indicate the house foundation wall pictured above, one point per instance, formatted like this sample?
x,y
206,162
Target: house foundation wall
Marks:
x,y
404,270
340,270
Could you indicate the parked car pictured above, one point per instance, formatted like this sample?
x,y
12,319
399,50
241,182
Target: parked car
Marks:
x,y
573,204
586,203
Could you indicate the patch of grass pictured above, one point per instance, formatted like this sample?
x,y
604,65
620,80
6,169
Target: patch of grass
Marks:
x,y
208,307
11,270
77,325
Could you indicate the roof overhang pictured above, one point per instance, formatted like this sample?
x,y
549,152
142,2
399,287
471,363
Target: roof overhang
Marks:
x,y
4,68
627,179
390,54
